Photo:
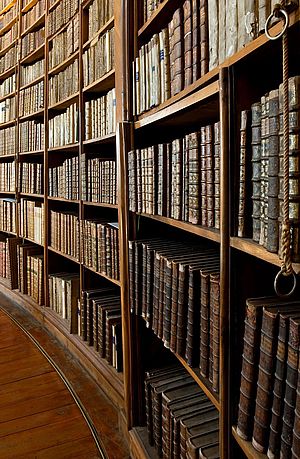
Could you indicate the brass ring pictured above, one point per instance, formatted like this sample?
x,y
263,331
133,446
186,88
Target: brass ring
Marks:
x,y
285,26
281,272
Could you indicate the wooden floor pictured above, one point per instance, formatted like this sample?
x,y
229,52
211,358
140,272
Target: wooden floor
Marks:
x,y
38,415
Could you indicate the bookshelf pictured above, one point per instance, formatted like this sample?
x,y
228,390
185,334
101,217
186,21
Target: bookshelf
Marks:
x,y
80,150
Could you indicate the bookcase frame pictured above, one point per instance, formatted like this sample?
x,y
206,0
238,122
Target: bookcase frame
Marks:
x,y
203,94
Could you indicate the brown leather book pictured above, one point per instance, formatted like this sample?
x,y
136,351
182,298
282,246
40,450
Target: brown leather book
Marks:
x,y
265,381
187,42
192,141
215,327
111,320
196,39
291,387
210,452
256,110
296,430
177,55
244,133
203,440
204,55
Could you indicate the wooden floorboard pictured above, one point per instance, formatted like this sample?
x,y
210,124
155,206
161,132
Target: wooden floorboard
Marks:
x,y
38,416
38,394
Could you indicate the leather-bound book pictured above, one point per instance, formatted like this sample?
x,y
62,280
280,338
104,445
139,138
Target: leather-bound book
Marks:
x,y
203,180
131,258
217,151
204,439
244,132
256,168
210,452
178,53
168,397
86,297
264,171
150,377
195,40
132,181
296,430
111,320
187,42
162,187
204,324
213,32
210,189
279,387
193,178
290,387
206,413
107,307
203,38
215,335
265,381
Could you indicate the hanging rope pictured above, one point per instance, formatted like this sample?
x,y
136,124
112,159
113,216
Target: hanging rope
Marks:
x,y
280,12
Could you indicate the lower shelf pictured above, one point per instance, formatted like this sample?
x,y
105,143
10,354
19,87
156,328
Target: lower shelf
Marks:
x,y
139,445
247,447
106,376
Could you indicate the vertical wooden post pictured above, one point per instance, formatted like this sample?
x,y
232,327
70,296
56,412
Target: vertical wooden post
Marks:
x,y
224,263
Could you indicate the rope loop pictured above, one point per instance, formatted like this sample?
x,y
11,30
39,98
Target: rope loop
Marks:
x,y
279,13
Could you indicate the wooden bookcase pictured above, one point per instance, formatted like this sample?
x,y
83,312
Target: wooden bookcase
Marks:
x,y
218,95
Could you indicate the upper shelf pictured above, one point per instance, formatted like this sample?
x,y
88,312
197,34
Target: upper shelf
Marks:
x,y
184,104
107,26
8,7
35,25
104,83
252,248
29,5
160,16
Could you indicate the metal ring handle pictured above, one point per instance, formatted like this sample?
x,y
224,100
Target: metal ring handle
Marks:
x,y
285,26
281,272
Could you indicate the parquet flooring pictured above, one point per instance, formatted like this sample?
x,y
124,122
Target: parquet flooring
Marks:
x,y
38,416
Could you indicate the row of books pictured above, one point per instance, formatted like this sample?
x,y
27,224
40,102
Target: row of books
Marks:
x,y
8,141
4,4
9,15
32,220
99,11
99,58
100,323
174,287
33,14
63,179
7,38
31,136
64,84
181,420
64,235
100,116
65,43
8,176
4,257
8,86
8,60
32,41
64,293
148,7
8,259
269,404
99,182
29,271
263,151
173,58
100,247
8,215
29,73
7,110
31,99
63,128
61,15
30,178
180,179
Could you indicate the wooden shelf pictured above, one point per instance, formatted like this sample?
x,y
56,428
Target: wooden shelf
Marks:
x,y
4,50
7,124
8,72
162,15
8,26
247,447
104,83
109,138
8,96
35,25
209,233
37,114
29,5
7,157
70,201
7,7
62,28
9,193
62,105
31,153
31,240
63,254
8,232
114,281
68,148
33,82
202,382
32,195
52,7
23,300
64,64
34,55
252,248
107,26
100,204
182,106
140,444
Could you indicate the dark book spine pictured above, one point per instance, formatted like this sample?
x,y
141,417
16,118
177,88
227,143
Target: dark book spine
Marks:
x,y
187,42
215,306
162,296
193,178
203,38
182,310
150,280
193,319
242,181
178,54
168,304
95,326
290,388
196,39
204,325
217,150
296,430
174,308
268,347
256,169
